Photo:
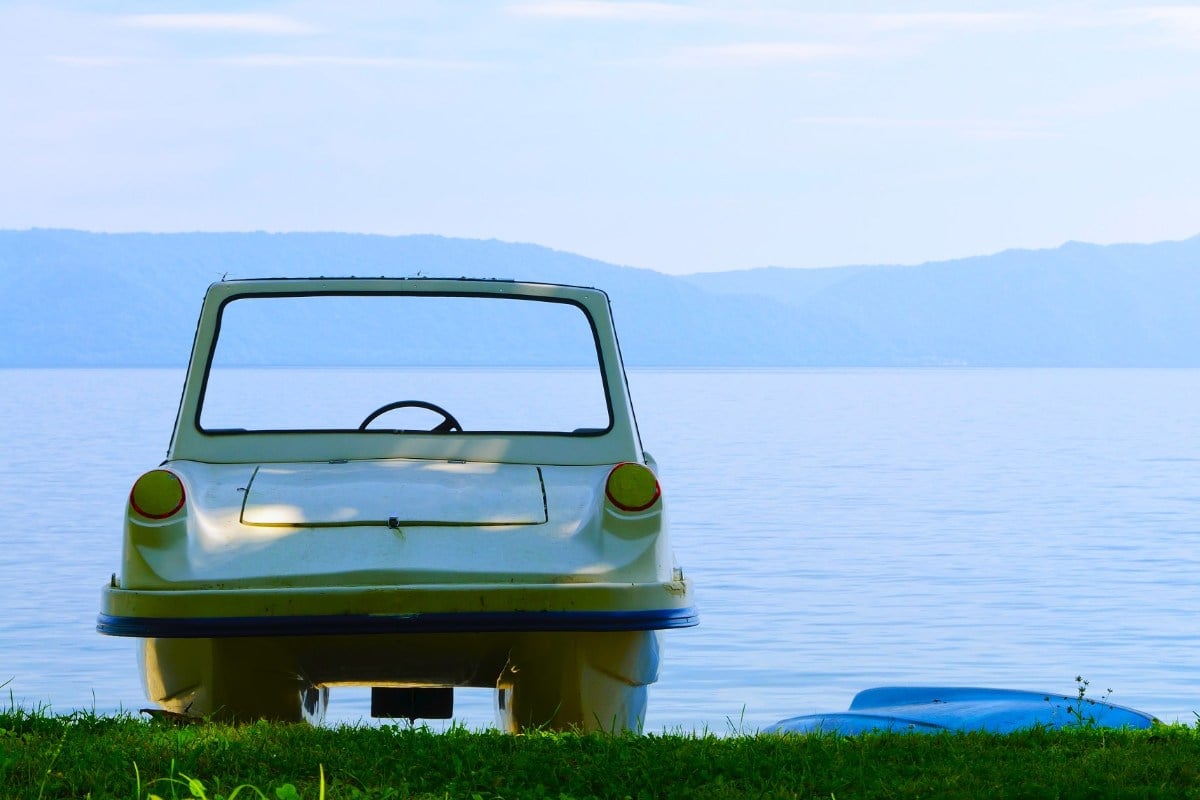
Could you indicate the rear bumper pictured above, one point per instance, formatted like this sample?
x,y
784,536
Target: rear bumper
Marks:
x,y
219,613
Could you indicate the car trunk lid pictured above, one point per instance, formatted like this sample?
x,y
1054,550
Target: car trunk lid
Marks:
x,y
395,493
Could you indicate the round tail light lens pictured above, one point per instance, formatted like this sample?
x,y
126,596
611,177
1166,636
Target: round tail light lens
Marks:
x,y
157,495
632,487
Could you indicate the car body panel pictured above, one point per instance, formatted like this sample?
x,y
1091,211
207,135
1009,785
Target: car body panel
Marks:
x,y
571,535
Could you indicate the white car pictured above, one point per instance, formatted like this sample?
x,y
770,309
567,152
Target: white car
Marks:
x,y
408,484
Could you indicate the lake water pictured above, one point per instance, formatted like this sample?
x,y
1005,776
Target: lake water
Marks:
x,y
844,529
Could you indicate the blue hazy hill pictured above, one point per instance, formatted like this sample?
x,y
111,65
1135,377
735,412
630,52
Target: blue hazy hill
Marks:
x,y
1076,305
69,298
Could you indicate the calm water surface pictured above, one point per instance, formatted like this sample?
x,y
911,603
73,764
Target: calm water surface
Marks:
x,y
844,529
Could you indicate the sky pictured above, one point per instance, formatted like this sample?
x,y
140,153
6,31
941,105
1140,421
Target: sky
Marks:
x,y
676,136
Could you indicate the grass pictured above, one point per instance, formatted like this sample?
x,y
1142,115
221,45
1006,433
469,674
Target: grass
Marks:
x,y
87,755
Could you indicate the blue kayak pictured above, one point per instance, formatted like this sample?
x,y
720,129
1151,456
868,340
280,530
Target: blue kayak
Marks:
x,y
930,709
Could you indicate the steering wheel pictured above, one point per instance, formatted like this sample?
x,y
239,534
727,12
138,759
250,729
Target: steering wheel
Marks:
x,y
448,424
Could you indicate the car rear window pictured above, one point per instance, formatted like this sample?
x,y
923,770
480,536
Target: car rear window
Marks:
x,y
325,362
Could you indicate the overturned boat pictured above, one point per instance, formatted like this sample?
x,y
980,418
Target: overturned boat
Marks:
x,y
928,709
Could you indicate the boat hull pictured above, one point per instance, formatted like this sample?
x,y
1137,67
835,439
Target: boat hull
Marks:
x,y
559,656
928,709
590,680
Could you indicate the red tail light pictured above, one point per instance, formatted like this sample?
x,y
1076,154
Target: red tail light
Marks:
x,y
157,495
632,487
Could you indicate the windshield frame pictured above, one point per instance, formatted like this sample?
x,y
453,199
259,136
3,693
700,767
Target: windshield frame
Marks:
x,y
213,350
618,442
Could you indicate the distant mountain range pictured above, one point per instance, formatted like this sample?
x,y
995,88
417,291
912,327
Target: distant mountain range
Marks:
x,y
69,298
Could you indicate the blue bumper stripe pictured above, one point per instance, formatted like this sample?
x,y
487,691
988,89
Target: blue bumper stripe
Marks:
x,y
355,624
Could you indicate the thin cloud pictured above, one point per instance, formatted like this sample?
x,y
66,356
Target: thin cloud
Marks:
x,y
762,54
1179,23
995,129
1123,97
605,10
283,60
96,61
1177,16
276,61
965,20
266,24
747,14
872,21
1177,19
